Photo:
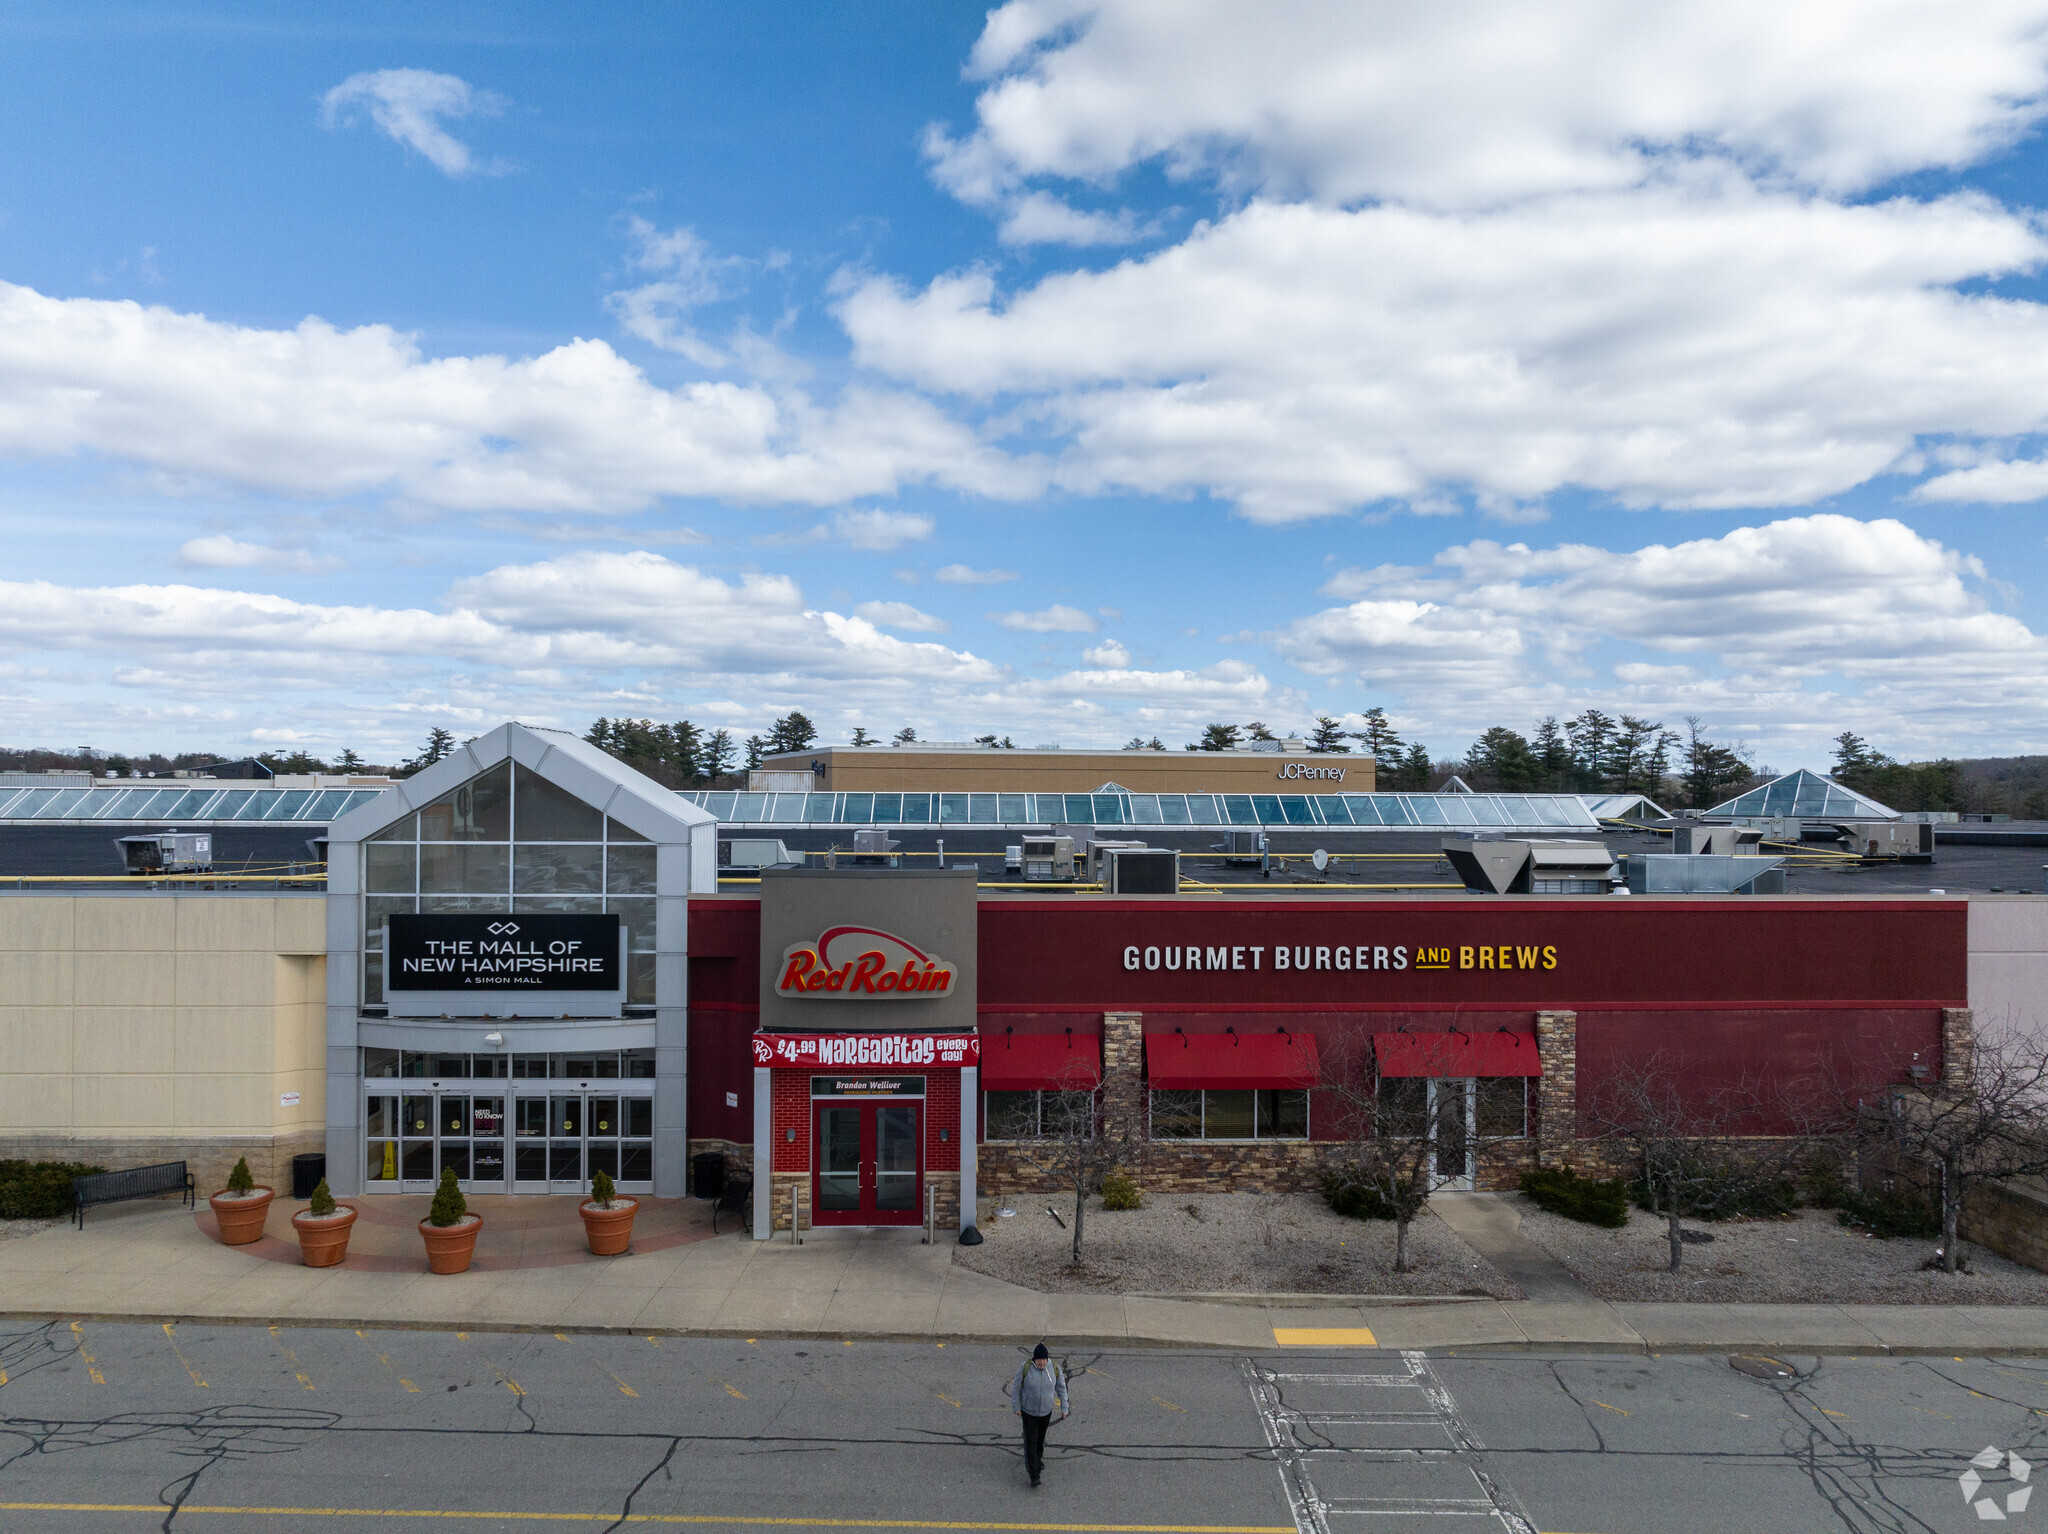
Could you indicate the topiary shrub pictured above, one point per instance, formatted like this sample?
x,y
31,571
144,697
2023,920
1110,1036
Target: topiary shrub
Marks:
x,y
449,1204
323,1201
1889,1215
39,1190
601,1189
1589,1200
239,1180
1120,1191
1356,1200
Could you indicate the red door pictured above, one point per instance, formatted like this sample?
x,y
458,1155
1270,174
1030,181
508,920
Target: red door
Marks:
x,y
868,1165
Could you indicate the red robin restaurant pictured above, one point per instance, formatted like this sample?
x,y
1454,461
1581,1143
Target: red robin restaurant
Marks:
x,y
882,1045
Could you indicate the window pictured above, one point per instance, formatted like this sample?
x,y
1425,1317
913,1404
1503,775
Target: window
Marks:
x,y
1024,1115
1501,1107
1273,1114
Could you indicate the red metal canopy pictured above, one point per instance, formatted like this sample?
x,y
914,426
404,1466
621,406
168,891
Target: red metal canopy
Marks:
x,y
1457,1054
1040,1062
1228,1062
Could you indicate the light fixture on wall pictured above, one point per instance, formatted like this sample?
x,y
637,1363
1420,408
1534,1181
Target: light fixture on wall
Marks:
x,y
495,1040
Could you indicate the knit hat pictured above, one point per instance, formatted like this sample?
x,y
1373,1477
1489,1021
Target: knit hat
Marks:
x,y
1040,1352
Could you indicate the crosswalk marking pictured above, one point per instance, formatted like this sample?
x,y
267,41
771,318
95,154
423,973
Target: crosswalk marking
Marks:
x,y
1308,1453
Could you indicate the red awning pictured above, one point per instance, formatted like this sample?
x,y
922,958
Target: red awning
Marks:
x,y
1040,1062
1457,1054
1229,1062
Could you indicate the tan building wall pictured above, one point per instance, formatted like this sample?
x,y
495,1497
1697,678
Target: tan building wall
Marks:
x,y
892,768
163,1027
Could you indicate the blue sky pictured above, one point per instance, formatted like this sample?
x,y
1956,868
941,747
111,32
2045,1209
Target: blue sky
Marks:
x,y
1063,371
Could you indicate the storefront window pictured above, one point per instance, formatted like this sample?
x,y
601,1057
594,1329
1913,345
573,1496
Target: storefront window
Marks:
x,y
1501,1107
1011,1115
1276,1114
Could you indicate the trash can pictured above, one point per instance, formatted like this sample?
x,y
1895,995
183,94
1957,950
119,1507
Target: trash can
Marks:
x,y
707,1174
308,1172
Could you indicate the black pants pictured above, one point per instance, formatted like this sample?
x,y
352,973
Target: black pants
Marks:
x,y
1034,1442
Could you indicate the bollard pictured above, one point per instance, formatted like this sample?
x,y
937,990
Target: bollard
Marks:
x,y
796,1235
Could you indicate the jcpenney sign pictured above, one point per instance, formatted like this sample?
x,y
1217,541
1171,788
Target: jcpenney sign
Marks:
x,y
1298,770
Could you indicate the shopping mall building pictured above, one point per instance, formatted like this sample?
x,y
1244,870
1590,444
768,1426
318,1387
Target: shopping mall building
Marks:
x,y
523,964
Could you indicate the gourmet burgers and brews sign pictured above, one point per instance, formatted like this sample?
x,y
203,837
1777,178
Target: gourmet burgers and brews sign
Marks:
x,y
861,964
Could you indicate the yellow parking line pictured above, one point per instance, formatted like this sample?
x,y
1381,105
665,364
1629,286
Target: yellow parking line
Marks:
x,y
410,1387
92,1365
1324,1337
197,1378
712,1519
293,1357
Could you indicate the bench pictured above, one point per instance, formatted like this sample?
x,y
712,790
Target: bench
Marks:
x,y
134,1182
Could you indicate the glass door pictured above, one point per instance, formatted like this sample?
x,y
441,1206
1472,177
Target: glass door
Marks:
x,y
562,1139
869,1163
412,1137
1450,1114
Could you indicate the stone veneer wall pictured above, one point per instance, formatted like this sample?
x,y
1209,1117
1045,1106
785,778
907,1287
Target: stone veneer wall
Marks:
x,y
1557,1090
1958,1049
945,1184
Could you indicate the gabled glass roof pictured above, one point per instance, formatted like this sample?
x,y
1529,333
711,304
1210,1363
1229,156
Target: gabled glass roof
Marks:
x,y
1806,795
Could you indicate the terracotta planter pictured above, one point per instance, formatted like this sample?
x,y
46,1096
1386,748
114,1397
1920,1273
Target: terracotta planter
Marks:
x,y
609,1230
323,1238
241,1216
449,1247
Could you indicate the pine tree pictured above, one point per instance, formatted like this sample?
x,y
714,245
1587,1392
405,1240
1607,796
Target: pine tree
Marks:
x,y
1257,730
905,737
1328,735
1553,753
861,737
755,747
1217,737
1382,740
792,732
718,755
348,761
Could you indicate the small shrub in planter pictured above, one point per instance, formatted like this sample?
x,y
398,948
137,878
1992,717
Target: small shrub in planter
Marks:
x,y
323,1228
1589,1200
607,1218
242,1207
450,1230
1120,1191
39,1190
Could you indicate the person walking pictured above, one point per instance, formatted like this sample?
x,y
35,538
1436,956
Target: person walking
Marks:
x,y
1039,1388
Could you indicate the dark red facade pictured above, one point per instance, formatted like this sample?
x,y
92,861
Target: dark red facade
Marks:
x,y
1732,987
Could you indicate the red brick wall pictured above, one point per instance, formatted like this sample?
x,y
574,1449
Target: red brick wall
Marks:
x,y
942,1111
790,1095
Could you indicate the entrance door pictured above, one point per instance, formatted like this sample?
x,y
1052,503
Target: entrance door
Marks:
x,y
563,1136
413,1136
868,1164
1450,1109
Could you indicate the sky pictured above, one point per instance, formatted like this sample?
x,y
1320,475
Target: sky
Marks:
x,y
1062,371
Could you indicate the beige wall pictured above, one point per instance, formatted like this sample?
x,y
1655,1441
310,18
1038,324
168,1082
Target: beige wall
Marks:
x,y
2008,963
163,1027
892,768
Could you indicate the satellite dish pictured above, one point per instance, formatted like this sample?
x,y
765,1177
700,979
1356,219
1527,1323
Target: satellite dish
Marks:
x,y
1321,860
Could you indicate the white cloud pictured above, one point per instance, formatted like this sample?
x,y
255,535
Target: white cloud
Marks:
x,y
1704,344
1056,619
315,411
1110,655
1472,102
2001,483
880,531
1042,219
686,275
1789,631
409,106
901,615
967,575
218,551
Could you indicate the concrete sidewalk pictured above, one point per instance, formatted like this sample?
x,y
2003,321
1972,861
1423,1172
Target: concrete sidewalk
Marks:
x,y
153,1263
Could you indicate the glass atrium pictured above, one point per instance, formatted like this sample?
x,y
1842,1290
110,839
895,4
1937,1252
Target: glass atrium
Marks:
x,y
1807,795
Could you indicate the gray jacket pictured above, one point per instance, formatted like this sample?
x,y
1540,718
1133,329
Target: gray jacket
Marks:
x,y
1035,1392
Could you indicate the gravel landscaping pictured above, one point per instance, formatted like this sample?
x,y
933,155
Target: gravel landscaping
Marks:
x,y
9,1229
1810,1257
1237,1243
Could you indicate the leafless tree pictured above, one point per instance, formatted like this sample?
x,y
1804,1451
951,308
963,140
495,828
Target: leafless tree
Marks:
x,y
1707,1153
1071,1147
1391,1129
1987,1123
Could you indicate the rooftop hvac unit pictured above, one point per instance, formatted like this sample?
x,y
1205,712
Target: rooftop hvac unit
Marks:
x,y
1143,871
167,852
1898,841
1048,859
1507,867
756,853
1098,855
1679,873
1721,841
1241,848
872,848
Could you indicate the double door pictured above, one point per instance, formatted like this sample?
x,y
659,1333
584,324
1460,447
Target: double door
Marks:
x,y
1451,1105
565,1137
550,1138
413,1136
868,1166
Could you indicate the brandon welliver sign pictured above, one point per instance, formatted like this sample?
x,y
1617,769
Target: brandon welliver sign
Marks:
x,y
861,964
